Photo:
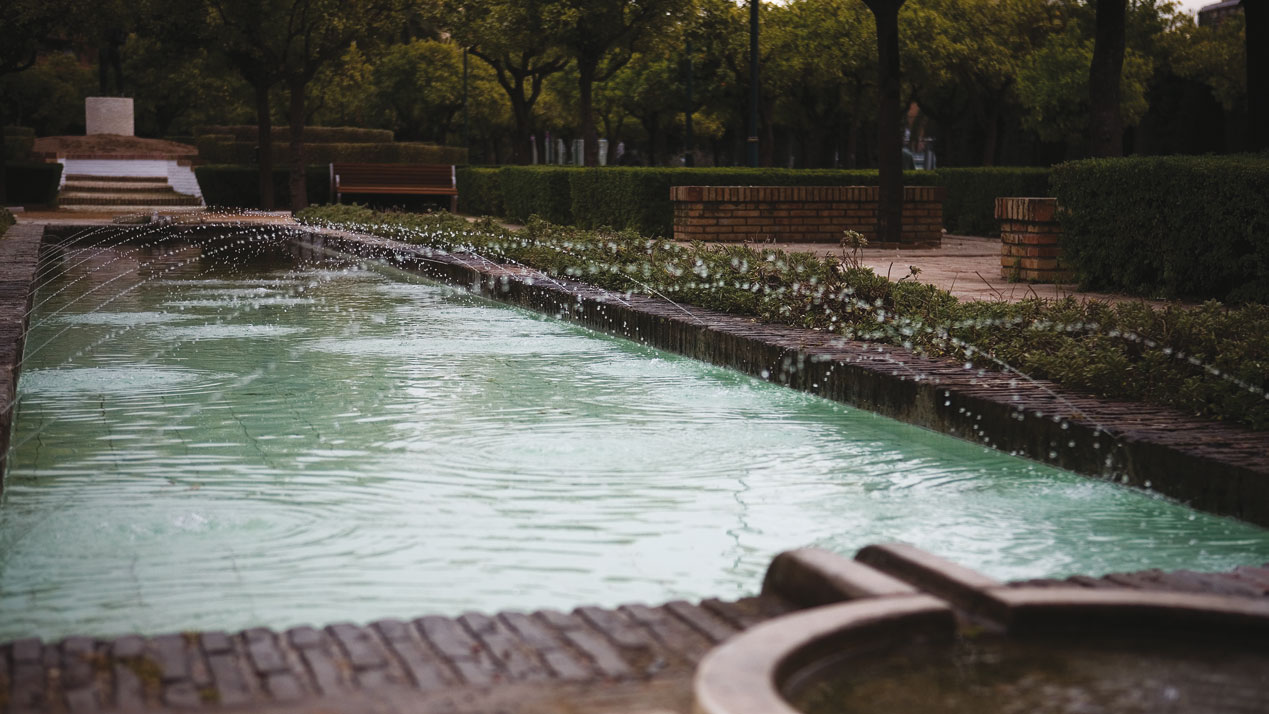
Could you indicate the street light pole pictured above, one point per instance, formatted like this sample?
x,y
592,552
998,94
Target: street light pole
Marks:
x,y
753,83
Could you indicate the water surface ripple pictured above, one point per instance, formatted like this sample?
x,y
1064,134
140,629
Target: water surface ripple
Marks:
x,y
286,445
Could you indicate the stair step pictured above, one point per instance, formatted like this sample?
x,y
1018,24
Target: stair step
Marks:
x,y
170,198
115,179
103,187
126,208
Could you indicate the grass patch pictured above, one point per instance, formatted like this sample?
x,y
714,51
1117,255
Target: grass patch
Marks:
x,y
1210,361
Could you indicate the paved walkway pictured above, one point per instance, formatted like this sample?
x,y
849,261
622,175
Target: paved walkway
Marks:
x,y
966,266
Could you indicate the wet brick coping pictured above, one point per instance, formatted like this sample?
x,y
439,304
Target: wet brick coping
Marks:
x,y
1212,466
630,659
19,258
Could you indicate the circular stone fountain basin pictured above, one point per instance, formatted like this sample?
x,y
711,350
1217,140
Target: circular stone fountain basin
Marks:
x,y
1048,652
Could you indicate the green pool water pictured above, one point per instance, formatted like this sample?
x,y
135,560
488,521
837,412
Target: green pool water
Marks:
x,y
276,442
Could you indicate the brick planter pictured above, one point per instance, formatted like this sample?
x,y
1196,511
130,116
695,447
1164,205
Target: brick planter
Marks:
x,y
800,214
1029,237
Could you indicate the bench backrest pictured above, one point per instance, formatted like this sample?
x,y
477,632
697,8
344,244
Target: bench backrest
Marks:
x,y
432,175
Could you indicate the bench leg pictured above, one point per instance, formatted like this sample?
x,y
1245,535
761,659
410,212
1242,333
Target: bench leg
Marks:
x,y
453,204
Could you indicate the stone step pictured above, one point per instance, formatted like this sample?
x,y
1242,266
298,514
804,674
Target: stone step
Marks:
x,y
129,208
109,187
115,179
168,198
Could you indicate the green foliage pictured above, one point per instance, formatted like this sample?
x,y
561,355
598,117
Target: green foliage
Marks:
x,y
543,191
970,205
18,141
312,134
48,97
1169,226
6,220
1211,361
239,186
32,184
479,191
218,151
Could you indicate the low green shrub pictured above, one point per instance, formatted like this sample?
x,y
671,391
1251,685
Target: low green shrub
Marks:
x,y
18,142
215,150
239,186
30,184
969,208
479,191
7,220
1170,226
1210,360
543,191
312,134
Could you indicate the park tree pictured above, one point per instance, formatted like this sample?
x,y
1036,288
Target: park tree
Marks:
x,y
26,27
288,42
963,77
1106,122
601,36
522,48
889,131
1256,16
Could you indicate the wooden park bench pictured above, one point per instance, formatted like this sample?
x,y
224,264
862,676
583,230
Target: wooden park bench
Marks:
x,y
397,179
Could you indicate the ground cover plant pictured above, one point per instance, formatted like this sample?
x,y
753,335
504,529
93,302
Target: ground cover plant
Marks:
x,y
1210,360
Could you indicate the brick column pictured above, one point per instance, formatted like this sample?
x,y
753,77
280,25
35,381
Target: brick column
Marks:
x,y
1029,237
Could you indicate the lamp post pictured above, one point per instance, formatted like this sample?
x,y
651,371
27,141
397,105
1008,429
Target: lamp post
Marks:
x,y
753,83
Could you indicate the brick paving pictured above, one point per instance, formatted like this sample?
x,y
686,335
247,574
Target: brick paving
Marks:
x,y
634,658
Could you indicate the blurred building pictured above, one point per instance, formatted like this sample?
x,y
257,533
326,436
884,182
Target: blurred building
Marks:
x,y
1216,13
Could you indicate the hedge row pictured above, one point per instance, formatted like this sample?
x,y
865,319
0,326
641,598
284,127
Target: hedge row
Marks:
x,y
969,208
1210,360
239,186
312,134
18,141
7,220
1177,226
32,184
639,198
214,149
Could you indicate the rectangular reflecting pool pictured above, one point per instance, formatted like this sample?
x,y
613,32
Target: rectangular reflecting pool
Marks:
x,y
225,436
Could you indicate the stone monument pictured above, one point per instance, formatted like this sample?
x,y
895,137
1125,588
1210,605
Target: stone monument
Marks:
x,y
109,115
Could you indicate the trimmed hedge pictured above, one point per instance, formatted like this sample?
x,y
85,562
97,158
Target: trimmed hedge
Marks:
x,y
239,186
32,184
970,205
1168,226
312,134
1208,360
215,150
7,220
479,191
18,141
638,198
544,191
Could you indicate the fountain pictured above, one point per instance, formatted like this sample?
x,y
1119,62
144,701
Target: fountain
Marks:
x,y
215,418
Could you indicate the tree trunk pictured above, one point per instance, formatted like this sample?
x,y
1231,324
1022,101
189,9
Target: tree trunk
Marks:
x,y
4,193
1106,120
990,141
1256,13
299,186
586,119
889,116
521,148
264,145
852,143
